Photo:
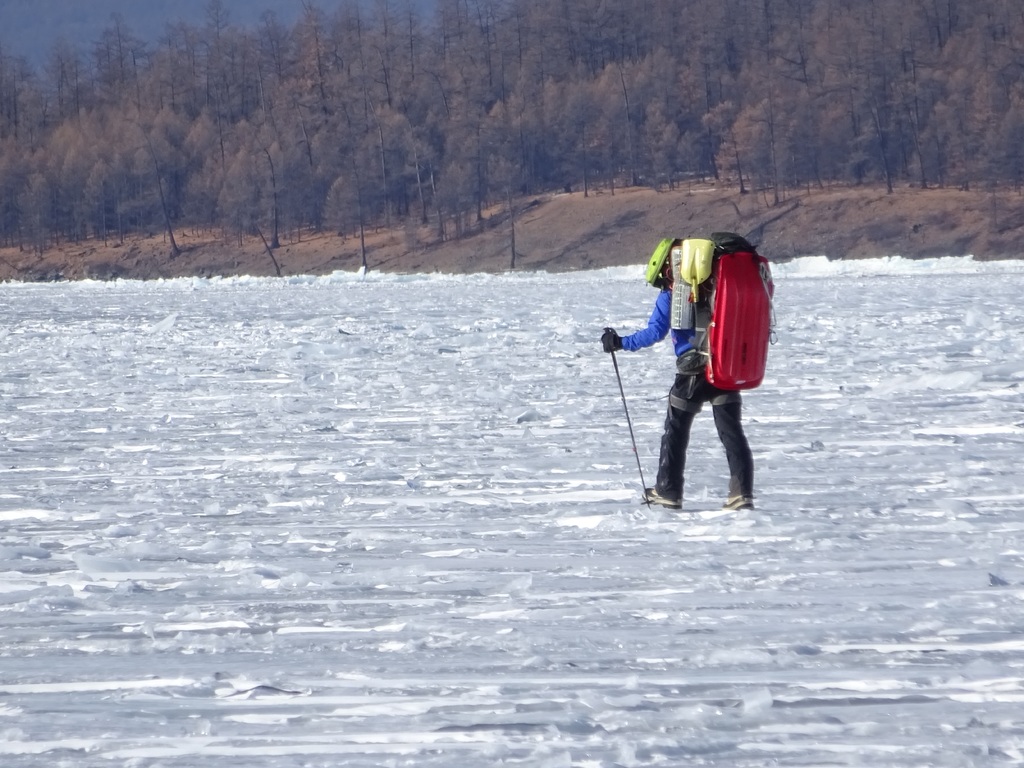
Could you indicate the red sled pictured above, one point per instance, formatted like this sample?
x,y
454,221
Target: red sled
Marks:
x,y
741,321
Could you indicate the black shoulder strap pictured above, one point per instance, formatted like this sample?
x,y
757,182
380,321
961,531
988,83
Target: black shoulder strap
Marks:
x,y
702,315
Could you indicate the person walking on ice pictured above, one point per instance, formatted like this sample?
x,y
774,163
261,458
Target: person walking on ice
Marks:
x,y
720,330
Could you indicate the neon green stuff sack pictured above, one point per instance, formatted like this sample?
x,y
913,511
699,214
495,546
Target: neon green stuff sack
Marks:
x,y
695,260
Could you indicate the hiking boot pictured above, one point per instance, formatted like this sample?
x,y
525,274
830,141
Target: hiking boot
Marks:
x,y
651,496
738,502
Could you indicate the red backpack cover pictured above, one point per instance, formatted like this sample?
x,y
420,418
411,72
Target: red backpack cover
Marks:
x,y
740,328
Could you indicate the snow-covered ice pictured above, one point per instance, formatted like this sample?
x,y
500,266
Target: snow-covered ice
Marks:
x,y
394,521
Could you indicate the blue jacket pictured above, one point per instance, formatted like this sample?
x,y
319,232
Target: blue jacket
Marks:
x,y
658,328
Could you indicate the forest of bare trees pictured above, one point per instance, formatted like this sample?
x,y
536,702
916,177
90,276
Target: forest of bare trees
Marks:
x,y
371,115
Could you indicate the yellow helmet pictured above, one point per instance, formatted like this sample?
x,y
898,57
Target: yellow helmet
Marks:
x,y
657,262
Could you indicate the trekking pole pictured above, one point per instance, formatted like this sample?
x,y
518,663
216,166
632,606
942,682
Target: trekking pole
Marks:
x,y
629,422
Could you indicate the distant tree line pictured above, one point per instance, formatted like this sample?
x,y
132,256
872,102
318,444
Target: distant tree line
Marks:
x,y
376,116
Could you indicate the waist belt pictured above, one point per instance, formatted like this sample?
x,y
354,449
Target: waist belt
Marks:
x,y
695,406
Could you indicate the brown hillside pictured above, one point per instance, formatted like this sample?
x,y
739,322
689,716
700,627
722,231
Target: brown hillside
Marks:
x,y
569,231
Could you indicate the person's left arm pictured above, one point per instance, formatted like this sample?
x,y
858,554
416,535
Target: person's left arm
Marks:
x,y
657,325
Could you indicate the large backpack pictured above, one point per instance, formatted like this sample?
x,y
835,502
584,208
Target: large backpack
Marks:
x,y
732,312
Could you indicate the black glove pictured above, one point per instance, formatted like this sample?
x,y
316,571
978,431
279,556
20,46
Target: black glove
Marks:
x,y
611,340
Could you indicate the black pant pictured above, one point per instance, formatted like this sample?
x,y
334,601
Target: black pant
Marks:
x,y
686,398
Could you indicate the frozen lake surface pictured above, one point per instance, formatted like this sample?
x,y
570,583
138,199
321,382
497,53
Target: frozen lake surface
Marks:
x,y
394,521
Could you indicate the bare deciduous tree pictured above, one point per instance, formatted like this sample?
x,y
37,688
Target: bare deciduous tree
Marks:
x,y
372,115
